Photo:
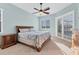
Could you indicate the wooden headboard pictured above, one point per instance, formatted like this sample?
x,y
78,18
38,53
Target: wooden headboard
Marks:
x,y
22,27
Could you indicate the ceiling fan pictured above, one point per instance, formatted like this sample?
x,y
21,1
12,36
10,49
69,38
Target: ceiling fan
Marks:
x,y
41,9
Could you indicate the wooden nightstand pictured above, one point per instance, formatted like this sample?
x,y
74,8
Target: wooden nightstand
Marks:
x,y
8,40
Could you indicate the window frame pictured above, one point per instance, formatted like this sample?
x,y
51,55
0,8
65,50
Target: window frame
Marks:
x,y
1,10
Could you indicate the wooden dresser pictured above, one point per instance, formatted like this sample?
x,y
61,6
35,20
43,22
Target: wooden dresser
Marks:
x,y
8,40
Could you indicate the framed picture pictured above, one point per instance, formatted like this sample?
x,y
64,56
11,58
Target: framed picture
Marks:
x,y
44,24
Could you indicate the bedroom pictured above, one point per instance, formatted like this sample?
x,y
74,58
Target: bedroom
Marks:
x,y
13,15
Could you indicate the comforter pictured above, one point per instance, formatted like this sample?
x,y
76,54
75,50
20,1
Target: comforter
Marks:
x,y
33,38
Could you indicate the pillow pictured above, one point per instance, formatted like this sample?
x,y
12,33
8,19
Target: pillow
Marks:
x,y
32,29
24,30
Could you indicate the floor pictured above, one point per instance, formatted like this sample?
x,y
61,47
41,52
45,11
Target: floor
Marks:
x,y
65,46
49,49
53,47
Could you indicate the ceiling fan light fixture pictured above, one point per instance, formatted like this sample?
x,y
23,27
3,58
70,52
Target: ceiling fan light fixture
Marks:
x,y
41,10
41,14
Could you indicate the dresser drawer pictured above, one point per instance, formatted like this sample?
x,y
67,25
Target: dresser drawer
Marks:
x,y
8,40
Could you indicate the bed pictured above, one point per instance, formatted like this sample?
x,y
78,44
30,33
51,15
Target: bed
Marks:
x,y
32,38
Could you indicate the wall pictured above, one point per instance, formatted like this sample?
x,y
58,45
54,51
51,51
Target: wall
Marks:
x,y
52,23
77,17
72,7
13,16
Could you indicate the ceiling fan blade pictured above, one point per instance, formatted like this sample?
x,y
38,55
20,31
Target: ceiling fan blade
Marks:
x,y
36,9
46,9
35,12
45,12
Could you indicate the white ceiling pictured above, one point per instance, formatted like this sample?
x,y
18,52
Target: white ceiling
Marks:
x,y
54,7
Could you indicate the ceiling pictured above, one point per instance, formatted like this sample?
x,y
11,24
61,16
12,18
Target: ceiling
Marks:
x,y
54,7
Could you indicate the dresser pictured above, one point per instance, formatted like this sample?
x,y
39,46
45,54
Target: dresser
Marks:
x,y
8,40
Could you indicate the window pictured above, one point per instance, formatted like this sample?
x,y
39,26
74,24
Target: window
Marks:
x,y
1,20
65,25
44,24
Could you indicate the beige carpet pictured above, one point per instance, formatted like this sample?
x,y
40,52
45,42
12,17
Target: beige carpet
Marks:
x,y
67,43
19,49
65,46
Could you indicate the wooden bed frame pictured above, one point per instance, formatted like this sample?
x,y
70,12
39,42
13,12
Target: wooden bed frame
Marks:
x,y
22,27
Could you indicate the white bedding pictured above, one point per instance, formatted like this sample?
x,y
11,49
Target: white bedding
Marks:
x,y
34,38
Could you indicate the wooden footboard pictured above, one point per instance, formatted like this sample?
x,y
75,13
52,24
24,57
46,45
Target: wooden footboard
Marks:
x,y
27,45
39,49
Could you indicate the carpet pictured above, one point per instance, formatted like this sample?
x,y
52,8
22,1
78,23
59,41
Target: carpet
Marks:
x,y
50,48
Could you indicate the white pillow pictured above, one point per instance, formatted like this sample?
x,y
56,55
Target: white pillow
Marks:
x,y
32,29
24,30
